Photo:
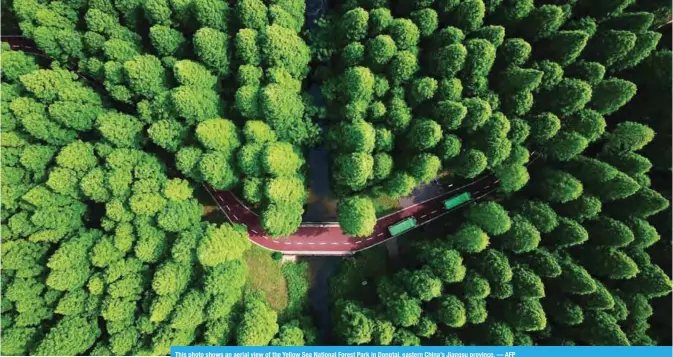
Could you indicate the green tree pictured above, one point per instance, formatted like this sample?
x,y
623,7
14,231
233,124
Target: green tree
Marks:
x,y
494,265
399,184
564,47
470,163
590,72
426,20
281,220
526,314
353,170
258,324
522,237
611,94
403,66
452,312
380,50
447,61
357,216
424,167
403,310
469,15
588,123
567,97
221,244
480,58
558,186
281,159
542,22
610,232
490,216
543,127
566,145
574,279
56,342
610,46
447,264
497,333
353,24
609,262
422,284
353,326
628,136
167,41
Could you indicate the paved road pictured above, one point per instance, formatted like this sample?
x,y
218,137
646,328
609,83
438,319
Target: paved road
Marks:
x,y
330,239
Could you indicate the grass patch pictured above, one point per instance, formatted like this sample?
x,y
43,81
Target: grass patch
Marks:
x,y
369,265
384,204
297,281
265,275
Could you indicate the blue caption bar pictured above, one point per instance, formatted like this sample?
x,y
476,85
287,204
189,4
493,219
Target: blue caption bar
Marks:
x,y
426,351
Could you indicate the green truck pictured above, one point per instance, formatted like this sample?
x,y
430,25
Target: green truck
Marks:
x,y
456,201
402,226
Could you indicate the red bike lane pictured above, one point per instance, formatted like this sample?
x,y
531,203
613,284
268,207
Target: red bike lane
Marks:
x,y
329,239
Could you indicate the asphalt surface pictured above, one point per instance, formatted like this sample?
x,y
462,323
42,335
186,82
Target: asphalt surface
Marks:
x,y
330,239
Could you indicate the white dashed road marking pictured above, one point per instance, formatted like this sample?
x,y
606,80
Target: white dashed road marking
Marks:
x,y
322,243
254,231
433,212
370,238
423,216
380,234
236,218
227,206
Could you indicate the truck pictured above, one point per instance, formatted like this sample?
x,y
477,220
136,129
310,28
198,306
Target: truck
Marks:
x,y
458,200
402,226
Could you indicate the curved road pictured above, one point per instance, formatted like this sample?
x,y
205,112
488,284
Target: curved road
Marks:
x,y
316,239
330,239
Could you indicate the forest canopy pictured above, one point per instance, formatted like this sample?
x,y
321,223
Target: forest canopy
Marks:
x,y
122,110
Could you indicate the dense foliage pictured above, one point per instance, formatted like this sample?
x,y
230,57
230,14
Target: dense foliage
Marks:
x,y
572,257
414,89
103,251
104,248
